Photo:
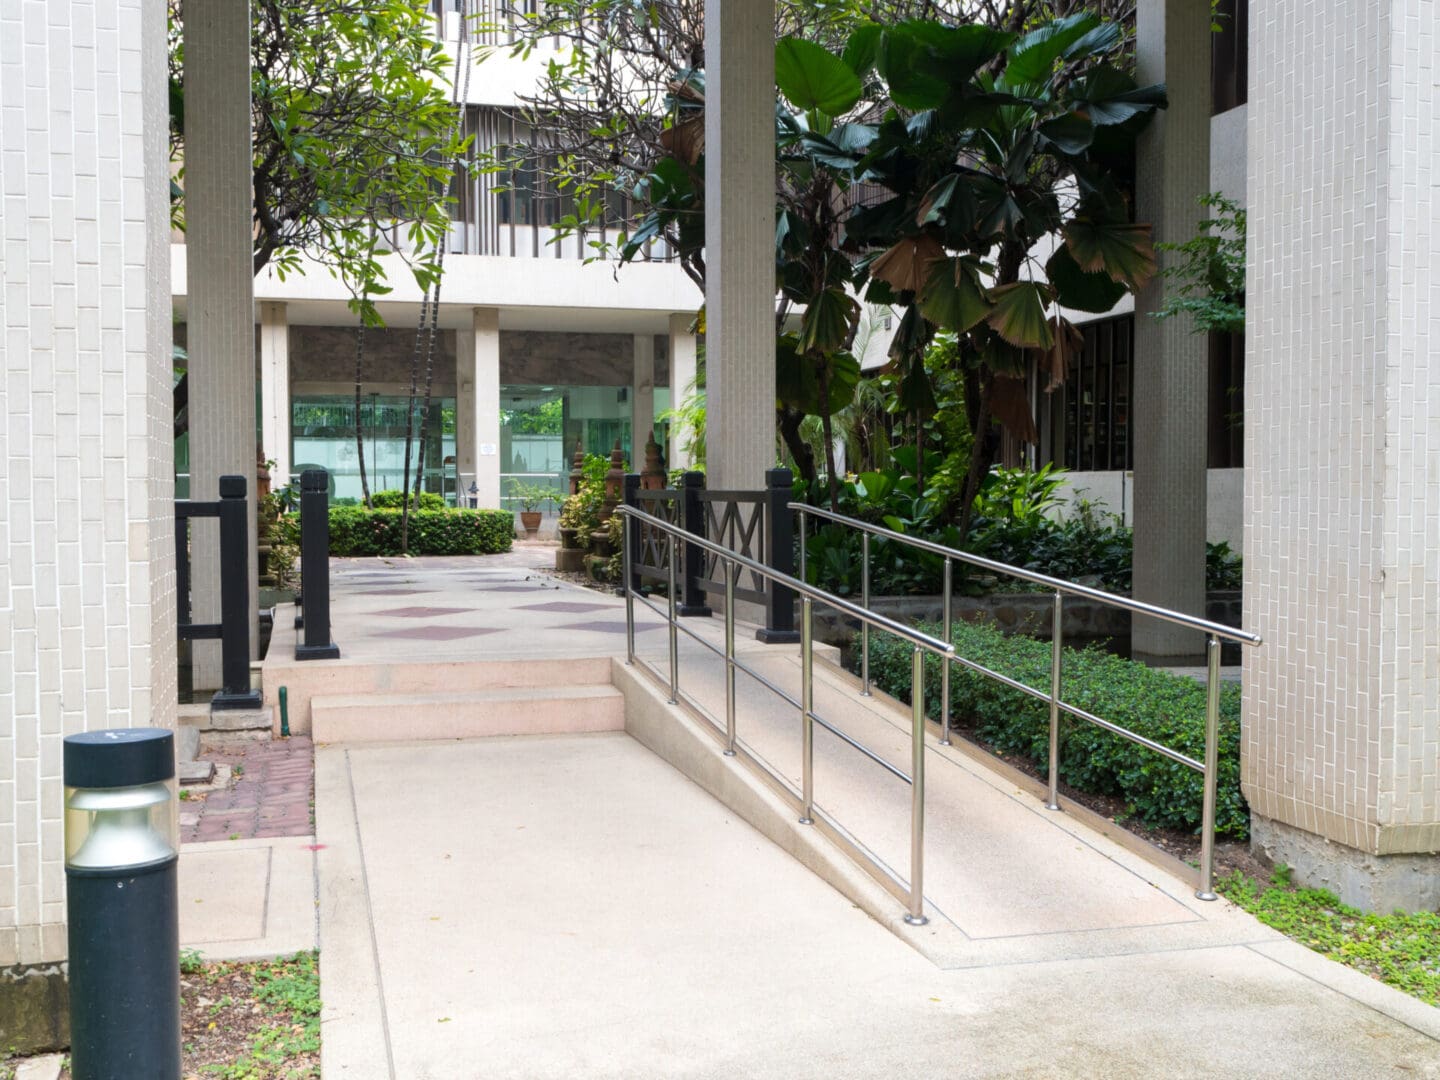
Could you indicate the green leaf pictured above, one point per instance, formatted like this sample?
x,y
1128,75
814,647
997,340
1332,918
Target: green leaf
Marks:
x,y
1078,290
1019,315
1070,133
826,322
1119,249
898,59
813,78
952,298
861,49
1109,96
1033,57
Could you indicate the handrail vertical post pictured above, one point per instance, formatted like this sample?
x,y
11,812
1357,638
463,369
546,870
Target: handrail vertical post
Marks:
x,y
945,662
235,556
729,657
315,566
779,556
865,603
916,914
692,520
672,624
630,534
807,709
627,553
1212,754
1057,641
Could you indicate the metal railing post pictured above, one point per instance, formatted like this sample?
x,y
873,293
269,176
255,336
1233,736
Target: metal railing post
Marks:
x,y
692,520
945,664
729,658
807,709
1211,778
235,556
671,622
315,566
864,626
1057,641
916,915
779,556
630,533
627,553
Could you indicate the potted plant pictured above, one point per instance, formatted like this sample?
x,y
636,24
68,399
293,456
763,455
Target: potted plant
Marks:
x,y
531,497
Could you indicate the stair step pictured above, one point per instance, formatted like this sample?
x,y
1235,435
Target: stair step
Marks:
x,y
472,714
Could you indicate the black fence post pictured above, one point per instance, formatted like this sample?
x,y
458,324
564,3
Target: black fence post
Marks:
x,y
629,495
315,566
692,520
780,557
235,563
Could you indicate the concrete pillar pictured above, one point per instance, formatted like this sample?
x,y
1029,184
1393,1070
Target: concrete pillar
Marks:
x,y
477,417
740,241
220,308
682,379
1340,758
87,576
642,399
1171,360
275,390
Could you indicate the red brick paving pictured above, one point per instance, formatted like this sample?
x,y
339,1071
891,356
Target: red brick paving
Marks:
x,y
272,796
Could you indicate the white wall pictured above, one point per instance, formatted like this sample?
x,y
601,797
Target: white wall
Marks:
x,y
87,609
1224,511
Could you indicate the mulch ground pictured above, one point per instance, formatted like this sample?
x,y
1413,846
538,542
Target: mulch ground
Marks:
x,y
270,792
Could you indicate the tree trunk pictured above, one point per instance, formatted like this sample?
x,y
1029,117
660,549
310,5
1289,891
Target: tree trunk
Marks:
x,y
410,426
429,374
359,429
982,450
828,433
790,420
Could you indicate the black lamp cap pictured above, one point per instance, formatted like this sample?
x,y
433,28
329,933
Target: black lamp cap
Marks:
x,y
119,757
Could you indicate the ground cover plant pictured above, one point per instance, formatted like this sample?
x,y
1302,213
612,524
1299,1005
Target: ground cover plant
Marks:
x,y
249,1021
1169,709
1401,949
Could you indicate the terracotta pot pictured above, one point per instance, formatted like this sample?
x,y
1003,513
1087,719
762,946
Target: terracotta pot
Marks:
x,y
531,520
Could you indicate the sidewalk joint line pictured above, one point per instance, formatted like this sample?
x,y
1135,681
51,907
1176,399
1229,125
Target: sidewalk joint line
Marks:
x,y
370,920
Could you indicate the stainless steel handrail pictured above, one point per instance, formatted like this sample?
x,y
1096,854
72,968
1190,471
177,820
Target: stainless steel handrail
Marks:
x,y
733,561
1208,769
1058,584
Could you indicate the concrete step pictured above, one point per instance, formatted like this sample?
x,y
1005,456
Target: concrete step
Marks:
x,y
521,710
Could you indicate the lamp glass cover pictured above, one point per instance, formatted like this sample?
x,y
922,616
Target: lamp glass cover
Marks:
x,y
121,827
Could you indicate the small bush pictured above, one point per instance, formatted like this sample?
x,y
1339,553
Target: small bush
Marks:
x,y
1169,709
357,531
394,499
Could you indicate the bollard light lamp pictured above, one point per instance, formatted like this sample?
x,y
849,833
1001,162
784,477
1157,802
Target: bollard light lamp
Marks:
x,y
121,858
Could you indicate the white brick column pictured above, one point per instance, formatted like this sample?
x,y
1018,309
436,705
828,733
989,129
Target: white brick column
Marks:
x,y
642,399
477,404
275,390
740,241
1341,751
1171,361
682,375
219,291
87,607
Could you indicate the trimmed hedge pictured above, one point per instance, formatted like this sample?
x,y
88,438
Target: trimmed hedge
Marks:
x,y
394,498
1169,709
357,531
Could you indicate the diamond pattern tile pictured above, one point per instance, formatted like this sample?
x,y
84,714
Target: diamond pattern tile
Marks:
x,y
423,612
438,633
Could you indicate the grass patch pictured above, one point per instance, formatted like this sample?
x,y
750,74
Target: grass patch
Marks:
x,y
1401,950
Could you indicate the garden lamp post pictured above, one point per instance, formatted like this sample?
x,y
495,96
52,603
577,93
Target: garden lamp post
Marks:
x,y
121,856
474,493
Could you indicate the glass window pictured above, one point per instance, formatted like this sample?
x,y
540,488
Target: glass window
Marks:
x,y
1090,418
539,426
1229,69
322,435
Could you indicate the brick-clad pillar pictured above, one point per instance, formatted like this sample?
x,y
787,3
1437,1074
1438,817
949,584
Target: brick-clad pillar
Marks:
x,y
1172,45
682,375
740,242
275,391
87,615
642,400
220,285
1341,752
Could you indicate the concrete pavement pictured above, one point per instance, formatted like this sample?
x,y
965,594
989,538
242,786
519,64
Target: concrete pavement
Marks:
x,y
248,899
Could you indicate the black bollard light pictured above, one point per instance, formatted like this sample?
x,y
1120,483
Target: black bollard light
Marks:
x,y
121,856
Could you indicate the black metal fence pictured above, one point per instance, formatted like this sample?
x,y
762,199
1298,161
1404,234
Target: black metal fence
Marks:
x,y
756,524
233,629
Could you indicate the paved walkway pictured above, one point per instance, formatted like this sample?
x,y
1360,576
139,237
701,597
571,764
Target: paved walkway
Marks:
x,y
574,906
267,790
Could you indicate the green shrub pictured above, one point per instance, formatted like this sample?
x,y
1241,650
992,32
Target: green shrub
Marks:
x,y
394,499
357,531
1168,709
